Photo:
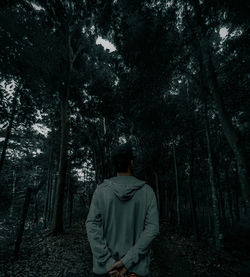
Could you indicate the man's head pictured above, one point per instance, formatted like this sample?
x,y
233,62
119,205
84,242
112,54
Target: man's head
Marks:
x,y
122,158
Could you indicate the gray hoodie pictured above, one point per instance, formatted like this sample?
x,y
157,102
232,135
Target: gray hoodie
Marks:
x,y
121,224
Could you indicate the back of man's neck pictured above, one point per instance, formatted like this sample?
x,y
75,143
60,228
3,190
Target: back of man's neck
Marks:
x,y
124,174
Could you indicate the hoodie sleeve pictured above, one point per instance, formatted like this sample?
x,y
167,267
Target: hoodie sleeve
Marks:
x,y
94,227
151,230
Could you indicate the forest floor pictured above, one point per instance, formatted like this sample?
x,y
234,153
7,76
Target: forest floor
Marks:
x,y
69,255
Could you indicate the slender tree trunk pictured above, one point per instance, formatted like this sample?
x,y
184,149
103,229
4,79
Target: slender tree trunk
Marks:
x,y
35,213
236,204
171,210
50,195
216,219
165,214
101,161
13,193
190,104
232,136
157,189
96,167
67,201
88,197
191,193
22,221
8,131
221,204
209,222
229,199
46,206
105,152
177,190
67,198
53,196
57,225
97,148
70,203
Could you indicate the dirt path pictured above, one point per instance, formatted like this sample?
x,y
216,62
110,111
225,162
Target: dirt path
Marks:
x,y
175,255
69,255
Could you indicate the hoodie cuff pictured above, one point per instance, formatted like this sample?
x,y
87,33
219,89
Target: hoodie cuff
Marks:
x,y
109,263
126,261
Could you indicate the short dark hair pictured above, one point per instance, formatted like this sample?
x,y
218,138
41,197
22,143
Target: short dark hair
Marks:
x,y
122,156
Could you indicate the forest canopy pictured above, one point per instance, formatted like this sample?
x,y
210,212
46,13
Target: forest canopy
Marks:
x,y
77,78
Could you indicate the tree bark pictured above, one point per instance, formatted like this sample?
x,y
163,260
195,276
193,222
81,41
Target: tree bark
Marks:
x,y
216,219
165,209
22,221
35,212
13,193
236,205
177,190
46,206
191,193
53,195
221,202
229,198
67,198
233,137
70,202
8,131
50,195
157,190
57,225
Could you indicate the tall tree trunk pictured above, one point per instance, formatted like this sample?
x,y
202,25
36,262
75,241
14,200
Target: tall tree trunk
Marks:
x,y
97,148
22,221
35,191
236,205
53,195
165,209
233,137
221,202
96,166
229,198
67,198
46,206
101,161
216,219
8,131
70,203
191,193
157,189
50,195
171,210
13,193
105,150
35,211
57,225
88,195
177,190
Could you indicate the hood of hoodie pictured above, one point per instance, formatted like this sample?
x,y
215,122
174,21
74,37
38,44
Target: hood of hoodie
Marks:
x,y
124,187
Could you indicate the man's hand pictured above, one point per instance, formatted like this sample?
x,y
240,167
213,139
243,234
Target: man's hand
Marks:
x,y
114,273
118,266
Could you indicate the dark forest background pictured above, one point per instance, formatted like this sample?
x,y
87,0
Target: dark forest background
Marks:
x,y
175,86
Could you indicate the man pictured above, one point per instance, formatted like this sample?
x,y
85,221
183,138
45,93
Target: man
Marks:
x,y
122,221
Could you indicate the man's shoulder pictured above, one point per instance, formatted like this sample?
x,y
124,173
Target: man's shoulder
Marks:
x,y
148,188
103,185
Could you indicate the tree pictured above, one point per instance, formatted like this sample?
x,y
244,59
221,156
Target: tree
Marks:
x,y
233,137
